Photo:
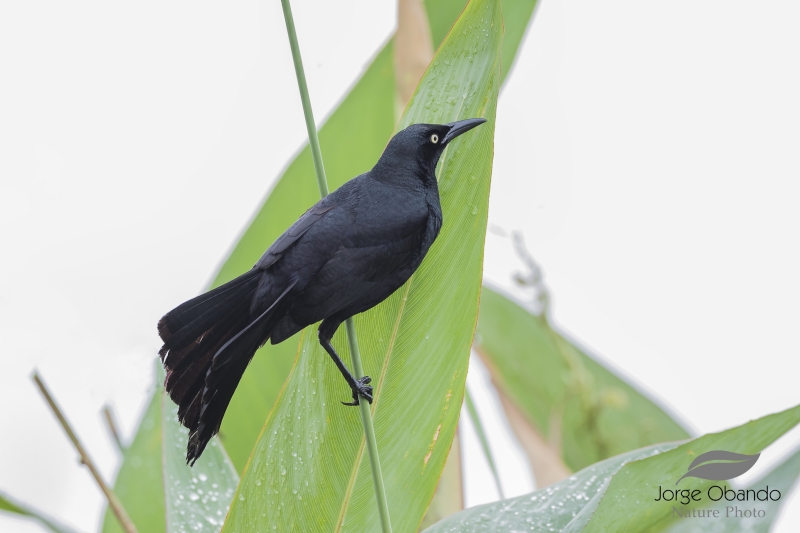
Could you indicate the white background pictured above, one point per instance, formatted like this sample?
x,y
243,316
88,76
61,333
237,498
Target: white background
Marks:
x,y
647,150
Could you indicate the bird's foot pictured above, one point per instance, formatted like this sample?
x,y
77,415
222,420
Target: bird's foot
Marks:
x,y
362,389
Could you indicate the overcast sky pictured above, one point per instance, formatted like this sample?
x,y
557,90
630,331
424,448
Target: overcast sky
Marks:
x,y
648,151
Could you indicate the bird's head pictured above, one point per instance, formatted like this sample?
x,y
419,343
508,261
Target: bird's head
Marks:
x,y
421,145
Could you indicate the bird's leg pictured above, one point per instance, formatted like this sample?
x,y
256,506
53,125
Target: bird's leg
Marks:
x,y
360,387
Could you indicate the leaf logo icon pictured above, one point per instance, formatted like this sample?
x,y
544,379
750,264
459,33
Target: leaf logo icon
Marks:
x,y
736,464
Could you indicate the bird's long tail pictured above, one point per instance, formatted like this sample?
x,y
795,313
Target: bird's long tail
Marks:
x,y
208,343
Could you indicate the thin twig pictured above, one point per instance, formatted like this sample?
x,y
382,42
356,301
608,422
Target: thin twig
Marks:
x,y
113,502
366,415
108,415
533,278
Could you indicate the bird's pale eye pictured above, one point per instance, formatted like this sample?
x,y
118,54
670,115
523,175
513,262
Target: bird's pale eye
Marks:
x,y
434,138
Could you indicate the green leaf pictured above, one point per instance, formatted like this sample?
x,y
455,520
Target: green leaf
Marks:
x,y
352,139
308,471
549,509
197,497
139,485
641,479
617,494
781,477
8,505
576,403
516,17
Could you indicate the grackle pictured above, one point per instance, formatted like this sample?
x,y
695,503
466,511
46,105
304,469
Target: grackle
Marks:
x,y
346,254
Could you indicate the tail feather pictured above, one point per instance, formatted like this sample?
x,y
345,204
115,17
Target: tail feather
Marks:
x,y
191,309
208,343
189,321
223,376
209,407
189,365
196,377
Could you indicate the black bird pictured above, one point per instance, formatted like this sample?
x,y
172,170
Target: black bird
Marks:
x,y
346,254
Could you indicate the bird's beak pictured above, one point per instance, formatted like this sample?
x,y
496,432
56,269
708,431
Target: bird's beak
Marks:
x,y
462,126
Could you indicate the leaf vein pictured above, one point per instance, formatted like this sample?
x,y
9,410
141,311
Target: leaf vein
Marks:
x,y
378,387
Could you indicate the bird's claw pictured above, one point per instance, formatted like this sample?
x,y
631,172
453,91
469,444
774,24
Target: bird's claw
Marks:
x,y
362,389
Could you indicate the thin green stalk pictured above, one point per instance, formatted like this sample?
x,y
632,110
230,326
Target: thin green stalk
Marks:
x,y
476,421
311,126
369,431
322,182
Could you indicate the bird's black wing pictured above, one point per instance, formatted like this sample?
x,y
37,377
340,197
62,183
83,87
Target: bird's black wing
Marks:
x,y
295,232
354,258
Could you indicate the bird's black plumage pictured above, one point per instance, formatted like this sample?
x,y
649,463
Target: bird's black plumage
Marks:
x,y
346,254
